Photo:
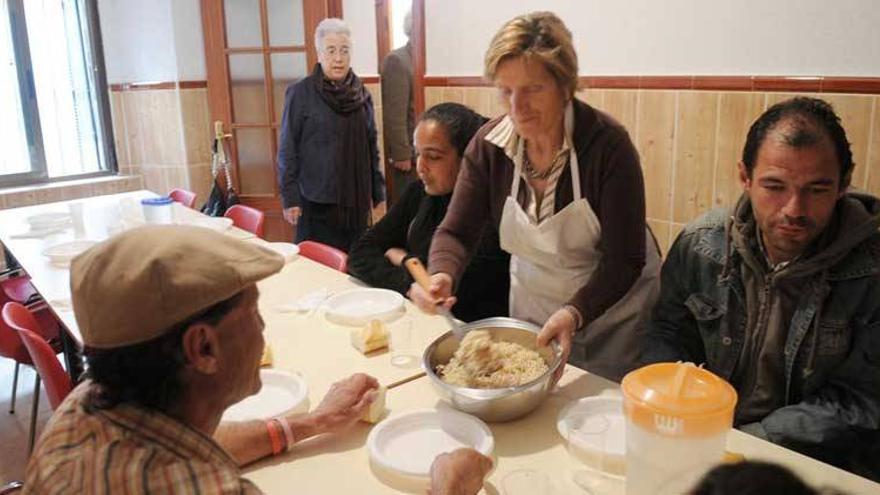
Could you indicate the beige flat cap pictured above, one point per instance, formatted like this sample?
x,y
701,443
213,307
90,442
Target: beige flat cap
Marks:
x,y
137,285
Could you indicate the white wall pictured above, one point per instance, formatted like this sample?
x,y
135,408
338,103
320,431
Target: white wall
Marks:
x,y
361,16
669,37
138,40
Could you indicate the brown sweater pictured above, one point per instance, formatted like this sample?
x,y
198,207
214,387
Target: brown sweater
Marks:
x,y
611,179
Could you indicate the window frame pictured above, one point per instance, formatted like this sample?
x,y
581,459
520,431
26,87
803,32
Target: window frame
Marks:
x,y
100,97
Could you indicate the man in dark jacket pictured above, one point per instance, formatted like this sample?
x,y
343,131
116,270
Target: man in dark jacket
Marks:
x,y
781,296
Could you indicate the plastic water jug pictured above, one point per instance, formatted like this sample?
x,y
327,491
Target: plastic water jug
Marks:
x,y
677,419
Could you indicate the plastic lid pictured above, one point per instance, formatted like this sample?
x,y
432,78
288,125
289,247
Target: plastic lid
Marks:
x,y
678,399
157,201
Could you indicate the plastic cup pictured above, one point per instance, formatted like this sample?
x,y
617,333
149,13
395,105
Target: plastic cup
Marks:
x,y
526,482
77,216
587,444
158,210
403,351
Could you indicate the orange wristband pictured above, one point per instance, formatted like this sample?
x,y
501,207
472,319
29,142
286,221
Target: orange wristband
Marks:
x,y
274,436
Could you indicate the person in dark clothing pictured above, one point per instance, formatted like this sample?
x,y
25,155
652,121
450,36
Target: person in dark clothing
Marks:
x,y
328,157
406,231
780,295
751,478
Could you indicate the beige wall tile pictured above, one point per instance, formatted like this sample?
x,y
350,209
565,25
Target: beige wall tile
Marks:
x,y
855,115
453,94
694,154
622,104
656,125
874,150
117,116
175,176
154,179
736,113
433,96
197,128
168,127
660,229
200,182
593,97
375,90
133,103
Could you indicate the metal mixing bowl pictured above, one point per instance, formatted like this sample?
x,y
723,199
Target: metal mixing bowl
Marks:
x,y
494,404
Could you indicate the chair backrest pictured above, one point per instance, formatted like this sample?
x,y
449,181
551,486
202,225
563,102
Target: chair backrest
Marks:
x,y
247,218
324,254
182,196
55,379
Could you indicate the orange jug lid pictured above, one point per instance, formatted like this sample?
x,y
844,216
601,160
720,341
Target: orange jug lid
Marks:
x,y
702,401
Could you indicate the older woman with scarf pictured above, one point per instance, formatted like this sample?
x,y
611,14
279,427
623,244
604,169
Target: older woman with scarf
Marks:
x,y
328,158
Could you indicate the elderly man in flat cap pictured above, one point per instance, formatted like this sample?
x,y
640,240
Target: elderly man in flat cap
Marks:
x,y
173,337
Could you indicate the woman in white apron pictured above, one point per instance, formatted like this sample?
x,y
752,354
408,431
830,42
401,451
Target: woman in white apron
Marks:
x,y
563,184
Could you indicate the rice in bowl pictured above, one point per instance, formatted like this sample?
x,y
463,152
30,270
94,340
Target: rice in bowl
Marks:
x,y
480,362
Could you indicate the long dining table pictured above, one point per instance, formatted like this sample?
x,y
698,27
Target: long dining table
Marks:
x,y
306,342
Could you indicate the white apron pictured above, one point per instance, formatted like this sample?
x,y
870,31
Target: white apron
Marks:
x,y
552,260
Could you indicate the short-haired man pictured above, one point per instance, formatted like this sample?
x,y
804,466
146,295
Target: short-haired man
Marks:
x,y
173,337
781,295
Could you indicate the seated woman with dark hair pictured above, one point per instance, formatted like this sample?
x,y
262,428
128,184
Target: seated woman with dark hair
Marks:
x,y
377,257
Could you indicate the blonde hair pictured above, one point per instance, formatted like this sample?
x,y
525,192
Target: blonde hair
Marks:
x,y
540,36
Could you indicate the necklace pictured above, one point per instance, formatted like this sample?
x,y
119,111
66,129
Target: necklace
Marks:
x,y
533,173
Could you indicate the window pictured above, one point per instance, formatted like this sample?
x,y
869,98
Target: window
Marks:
x,y
57,119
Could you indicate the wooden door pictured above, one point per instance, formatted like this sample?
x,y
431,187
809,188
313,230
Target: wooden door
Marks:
x,y
254,49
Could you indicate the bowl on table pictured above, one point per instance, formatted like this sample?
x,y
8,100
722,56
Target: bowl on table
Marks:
x,y
494,404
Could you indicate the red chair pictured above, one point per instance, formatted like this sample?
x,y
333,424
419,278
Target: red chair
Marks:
x,y
324,254
42,355
19,289
184,197
247,218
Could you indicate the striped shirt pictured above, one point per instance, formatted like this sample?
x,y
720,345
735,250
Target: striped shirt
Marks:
x,y
127,450
504,136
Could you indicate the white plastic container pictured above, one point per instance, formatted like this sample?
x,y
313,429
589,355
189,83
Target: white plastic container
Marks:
x,y
158,210
677,420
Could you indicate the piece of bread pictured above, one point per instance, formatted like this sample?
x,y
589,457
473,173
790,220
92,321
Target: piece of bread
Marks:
x,y
266,360
372,337
377,409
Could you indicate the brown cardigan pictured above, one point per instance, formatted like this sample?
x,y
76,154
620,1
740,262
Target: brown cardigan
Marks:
x,y
611,179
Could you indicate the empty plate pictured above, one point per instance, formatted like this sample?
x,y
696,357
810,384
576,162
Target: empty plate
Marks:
x,y
358,306
595,428
48,221
61,254
218,224
281,392
406,444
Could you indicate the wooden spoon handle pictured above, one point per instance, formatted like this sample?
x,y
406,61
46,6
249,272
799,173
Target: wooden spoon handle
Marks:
x,y
418,272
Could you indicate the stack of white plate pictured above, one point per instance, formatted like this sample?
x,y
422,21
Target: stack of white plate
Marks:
x,y
359,306
61,254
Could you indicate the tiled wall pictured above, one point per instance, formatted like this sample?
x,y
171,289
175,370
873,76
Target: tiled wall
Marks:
x,y
691,141
164,135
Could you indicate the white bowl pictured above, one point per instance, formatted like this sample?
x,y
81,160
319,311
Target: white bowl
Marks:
x,y
61,254
603,450
406,444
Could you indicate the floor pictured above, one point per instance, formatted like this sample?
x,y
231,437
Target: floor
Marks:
x,y
14,427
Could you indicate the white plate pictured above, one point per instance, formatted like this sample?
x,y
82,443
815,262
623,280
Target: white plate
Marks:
x,y
281,392
61,254
586,414
406,444
358,306
218,224
286,249
48,221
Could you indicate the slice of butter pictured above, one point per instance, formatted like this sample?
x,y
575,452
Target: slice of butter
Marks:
x,y
266,360
371,337
377,409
